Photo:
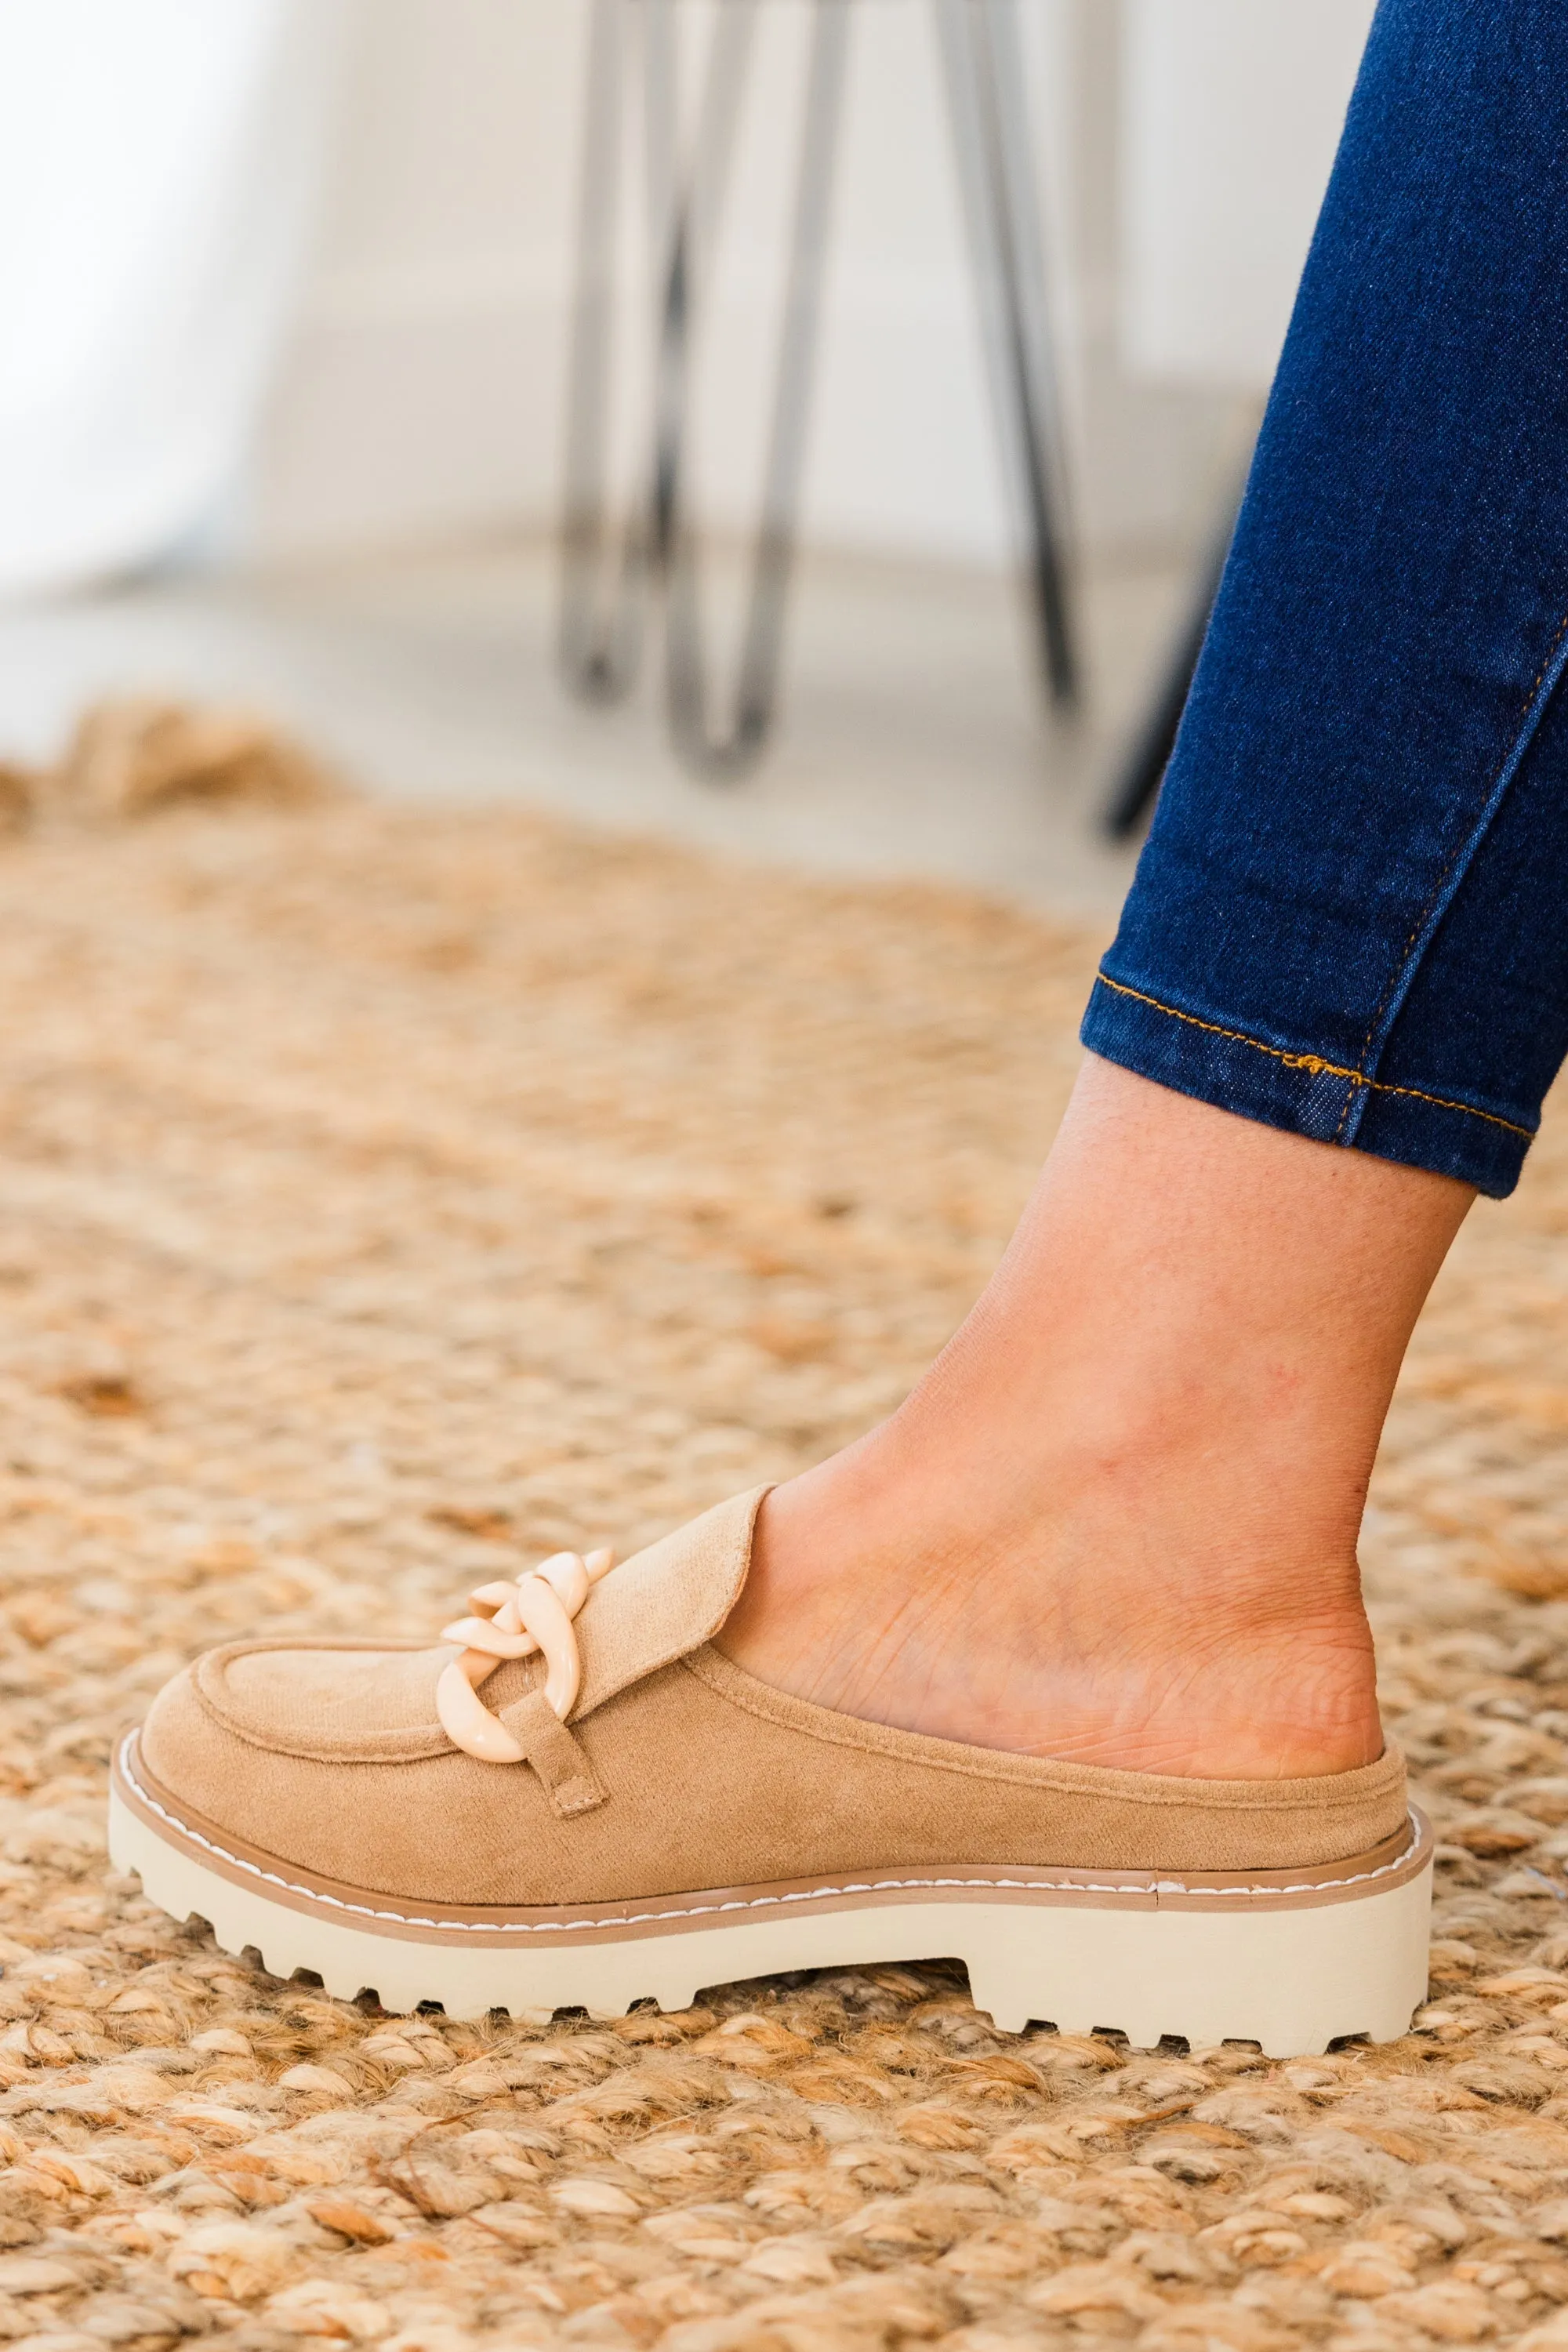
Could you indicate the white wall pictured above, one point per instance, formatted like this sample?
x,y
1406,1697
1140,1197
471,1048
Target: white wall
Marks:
x,y
423,391
420,392
1232,111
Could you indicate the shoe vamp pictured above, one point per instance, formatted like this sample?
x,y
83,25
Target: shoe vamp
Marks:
x,y
699,1796
326,1699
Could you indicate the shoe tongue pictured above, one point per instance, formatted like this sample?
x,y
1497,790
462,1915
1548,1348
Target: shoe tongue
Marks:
x,y
665,1602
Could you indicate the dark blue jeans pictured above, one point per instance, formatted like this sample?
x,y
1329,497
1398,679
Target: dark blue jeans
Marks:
x,y
1351,918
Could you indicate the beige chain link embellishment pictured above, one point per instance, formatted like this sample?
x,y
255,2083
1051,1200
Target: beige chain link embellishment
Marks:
x,y
512,1621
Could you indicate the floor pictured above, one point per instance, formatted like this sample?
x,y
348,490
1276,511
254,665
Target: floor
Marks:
x,y
913,740
390,1196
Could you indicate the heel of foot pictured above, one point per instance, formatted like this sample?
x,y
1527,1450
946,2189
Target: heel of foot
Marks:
x,y
1293,1981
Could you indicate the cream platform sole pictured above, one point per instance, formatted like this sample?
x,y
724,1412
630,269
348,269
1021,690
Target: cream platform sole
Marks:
x,y
1290,1966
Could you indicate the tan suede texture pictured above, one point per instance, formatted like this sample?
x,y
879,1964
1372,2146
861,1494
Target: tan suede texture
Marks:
x,y
712,1779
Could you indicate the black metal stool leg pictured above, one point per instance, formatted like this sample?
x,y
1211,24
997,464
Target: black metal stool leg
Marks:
x,y
701,185
983,69
605,587
1138,786
725,751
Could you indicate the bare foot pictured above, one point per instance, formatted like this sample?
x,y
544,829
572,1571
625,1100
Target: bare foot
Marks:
x,y
1049,1640
1117,1522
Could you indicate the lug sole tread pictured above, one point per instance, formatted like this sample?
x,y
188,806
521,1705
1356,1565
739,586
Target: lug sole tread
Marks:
x,y
1293,1981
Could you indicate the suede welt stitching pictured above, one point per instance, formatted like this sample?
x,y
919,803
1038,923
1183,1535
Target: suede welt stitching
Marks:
x,y
750,1903
1313,1064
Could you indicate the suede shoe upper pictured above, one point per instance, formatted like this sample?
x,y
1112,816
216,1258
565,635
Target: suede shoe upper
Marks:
x,y
676,1772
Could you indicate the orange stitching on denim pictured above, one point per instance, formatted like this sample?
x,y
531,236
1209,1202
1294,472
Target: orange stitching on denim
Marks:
x,y
1421,921
1314,1064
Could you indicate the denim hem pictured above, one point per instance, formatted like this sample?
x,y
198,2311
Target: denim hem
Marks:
x,y
1300,1091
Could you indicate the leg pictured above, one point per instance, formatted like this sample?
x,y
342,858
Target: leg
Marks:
x,y
1118,1522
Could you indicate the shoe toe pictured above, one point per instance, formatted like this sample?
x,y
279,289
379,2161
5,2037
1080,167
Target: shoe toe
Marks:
x,y
336,1702
330,1757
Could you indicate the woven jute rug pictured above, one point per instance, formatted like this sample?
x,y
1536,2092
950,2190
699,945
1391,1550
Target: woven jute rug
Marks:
x,y
387,1197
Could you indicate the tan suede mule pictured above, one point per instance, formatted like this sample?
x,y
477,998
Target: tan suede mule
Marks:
x,y
578,1802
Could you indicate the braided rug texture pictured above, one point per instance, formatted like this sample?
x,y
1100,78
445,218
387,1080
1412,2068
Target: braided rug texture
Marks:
x,y
387,1199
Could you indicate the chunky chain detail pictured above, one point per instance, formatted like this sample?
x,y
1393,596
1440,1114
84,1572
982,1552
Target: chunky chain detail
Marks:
x,y
513,1620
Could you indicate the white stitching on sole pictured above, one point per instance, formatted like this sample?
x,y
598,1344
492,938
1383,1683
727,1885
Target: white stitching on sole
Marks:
x,y
750,1903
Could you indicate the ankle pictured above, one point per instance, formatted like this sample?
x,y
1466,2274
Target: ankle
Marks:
x,y
1117,1518
1253,1542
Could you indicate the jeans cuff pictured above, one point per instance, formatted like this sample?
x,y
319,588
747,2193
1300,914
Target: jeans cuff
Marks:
x,y
1299,1090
